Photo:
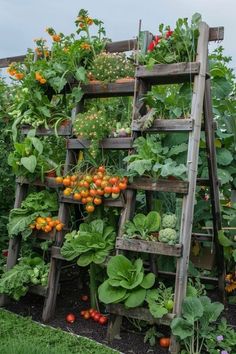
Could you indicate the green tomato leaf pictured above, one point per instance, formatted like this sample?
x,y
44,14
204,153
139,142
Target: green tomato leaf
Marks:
x,y
29,163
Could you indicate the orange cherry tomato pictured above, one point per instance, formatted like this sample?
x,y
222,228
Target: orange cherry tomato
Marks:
x,y
84,193
90,208
122,186
100,191
108,189
165,342
86,315
67,191
97,201
84,297
59,227
66,182
115,190
77,196
59,180
98,182
113,180
93,192
101,169
70,318
84,200
86,184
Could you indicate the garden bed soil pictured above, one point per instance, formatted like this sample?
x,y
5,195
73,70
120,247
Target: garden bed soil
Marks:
x,y
69,300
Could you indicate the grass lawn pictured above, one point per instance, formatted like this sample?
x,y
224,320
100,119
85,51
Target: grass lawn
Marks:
x,y
20,335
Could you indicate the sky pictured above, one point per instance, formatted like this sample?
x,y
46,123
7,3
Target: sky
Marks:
x,y
23,20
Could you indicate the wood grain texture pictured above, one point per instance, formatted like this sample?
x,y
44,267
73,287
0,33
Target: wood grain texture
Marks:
x,y
61,131
148,247
113,89
139,313
108,143
167,125
107,202
162,185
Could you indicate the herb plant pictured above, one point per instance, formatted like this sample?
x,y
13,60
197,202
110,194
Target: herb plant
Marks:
x,y
143,226
160,300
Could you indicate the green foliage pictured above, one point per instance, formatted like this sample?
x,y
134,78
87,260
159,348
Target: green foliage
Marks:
x,y
160,300
222,338
168,220
36,204
179,46
92,243
109,67
153,158
168,235
20,335
142,226
196,322
15,282
151,335
126,282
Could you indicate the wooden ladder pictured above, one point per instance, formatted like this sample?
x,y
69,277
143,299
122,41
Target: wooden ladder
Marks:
x,y
201,104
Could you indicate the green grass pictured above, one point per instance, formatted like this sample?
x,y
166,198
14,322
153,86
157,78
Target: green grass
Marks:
x,y
20,335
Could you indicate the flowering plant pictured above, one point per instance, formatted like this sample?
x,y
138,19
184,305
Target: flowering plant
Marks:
x,y
172,46
109,67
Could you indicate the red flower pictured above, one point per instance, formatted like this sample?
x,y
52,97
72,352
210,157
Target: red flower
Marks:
x,y
151,46
5,253
169,33
157,39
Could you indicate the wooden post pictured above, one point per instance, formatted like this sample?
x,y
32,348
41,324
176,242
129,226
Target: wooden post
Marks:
x,y
192,165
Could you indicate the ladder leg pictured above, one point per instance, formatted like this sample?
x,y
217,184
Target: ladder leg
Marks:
x,y
114,326
214,185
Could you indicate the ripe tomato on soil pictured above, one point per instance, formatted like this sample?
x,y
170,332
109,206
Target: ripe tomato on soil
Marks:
x,y
70,318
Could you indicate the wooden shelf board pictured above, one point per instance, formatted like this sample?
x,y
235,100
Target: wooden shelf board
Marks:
x,y
108,143
139,313
107,202
113,89
167,125
48,182
162,185
168,73
61,131
149,247
56,253
38,289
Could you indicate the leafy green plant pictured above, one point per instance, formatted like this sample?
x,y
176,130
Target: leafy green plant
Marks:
x,y
154,159
196,322
222,338
109,67
151,335
126,282
28,158
160,300
15,282
174,46
36,204
142,226
92,243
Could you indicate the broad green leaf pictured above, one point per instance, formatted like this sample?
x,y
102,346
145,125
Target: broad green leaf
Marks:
x,y
223,240
153,221
37,144
85,259
80,74
192,309
140,166
175,150
132,282
135,298
108,294
148,281
77,93
139,221
156,310
224,157
29,163
182,328
234,255
211,312
117,264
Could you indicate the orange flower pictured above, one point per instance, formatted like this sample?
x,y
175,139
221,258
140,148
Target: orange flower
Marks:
x,y
65,49
85,46
19,76
38,77
82,25
11,71
43,81
46,53
89,21
230,287
38,52
56,38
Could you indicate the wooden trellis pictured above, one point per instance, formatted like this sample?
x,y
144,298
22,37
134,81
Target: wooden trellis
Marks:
x,y
201,107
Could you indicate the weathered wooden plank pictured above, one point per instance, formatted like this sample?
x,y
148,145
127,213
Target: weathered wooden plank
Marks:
x,y
168,73
5,62
149,247
216,34
56,253
202,237
108,143
203,278
167,125
61,131
48,182
139,313
162,185
121,46
97,89
38,290
107,202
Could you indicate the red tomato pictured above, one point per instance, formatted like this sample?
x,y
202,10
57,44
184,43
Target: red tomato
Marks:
x,y
82,313
101,169
108,189
97,201
122,186
91,311
90,208
86,184
115,190
70,318
113,180
100,191
103,320
165,342
84,297
86,315
96,317
93,192
98,182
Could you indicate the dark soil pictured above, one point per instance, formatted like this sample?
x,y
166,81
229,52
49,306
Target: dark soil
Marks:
x,y
69,300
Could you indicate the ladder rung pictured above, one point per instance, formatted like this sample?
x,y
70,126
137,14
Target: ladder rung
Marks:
x,y
48,182
113,89
153,247
139,313
168,73
161,185
167,125
61,131
203,278
202,237
108,143
205,182
107,202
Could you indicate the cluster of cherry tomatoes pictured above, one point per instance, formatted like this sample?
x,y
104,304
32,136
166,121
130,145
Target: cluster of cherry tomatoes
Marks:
x,y
91,187
95,315
46,224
